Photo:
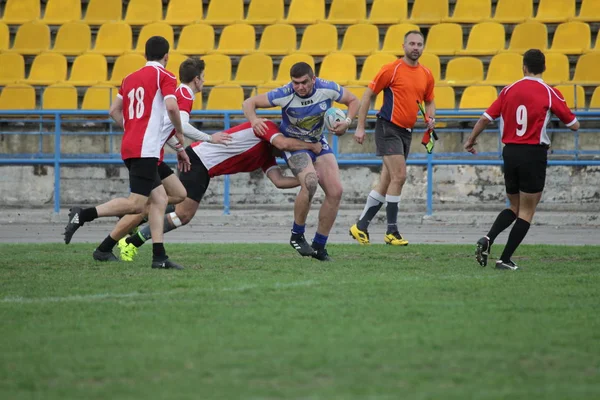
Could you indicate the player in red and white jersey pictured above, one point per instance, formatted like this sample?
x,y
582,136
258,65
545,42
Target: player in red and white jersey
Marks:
x,y
140,109
246,152
524,109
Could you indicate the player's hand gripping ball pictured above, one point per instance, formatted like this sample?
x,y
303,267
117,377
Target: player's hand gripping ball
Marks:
x,y
332,116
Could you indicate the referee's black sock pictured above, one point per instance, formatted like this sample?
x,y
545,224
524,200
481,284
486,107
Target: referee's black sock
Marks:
x,y
516,236
158,252
503,221
107,245
88,214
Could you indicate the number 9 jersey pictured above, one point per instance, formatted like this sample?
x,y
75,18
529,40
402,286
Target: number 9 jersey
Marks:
x,y
143,93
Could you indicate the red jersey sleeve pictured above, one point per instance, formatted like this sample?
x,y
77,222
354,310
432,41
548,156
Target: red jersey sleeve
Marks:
x,y
269,163
184,102
272,131
167,83
495,109
382,79
559,107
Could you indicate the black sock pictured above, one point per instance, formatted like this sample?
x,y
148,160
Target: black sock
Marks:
x,y
135,240
107,245
88,214
158,252
170,208
503,221
516,236
392,217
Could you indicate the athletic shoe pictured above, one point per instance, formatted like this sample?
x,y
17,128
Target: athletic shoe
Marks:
x,y
128,251
483,251
362,237
506,265
166,264
322,255
395,239
104,256
73,223
299,243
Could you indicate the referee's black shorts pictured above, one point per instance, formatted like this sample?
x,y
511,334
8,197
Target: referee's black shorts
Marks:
x,y
143,175
525,167
196,180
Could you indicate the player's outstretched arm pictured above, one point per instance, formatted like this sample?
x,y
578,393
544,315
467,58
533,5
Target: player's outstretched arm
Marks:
x,y
116,111
250,105
477,129
364,106
281,181
289,144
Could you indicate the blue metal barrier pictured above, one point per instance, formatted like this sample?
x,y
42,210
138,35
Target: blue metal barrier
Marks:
x,y
56,159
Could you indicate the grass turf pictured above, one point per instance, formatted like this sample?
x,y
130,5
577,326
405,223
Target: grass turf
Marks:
x,y
259,322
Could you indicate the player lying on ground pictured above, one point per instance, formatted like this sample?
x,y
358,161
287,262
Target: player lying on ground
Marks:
x,y
246,153
191,74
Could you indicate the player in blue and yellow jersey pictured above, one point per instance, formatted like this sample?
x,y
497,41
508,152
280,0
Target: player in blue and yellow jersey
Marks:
x,y
303,103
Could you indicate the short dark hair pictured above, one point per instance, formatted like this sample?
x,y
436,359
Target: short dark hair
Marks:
x,y
414,32
535,61
190,68
300,69
156,48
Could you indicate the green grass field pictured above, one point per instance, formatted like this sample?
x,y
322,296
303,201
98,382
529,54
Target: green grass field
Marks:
x,y
259,322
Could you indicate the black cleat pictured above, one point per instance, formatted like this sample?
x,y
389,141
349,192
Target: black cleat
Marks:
x,y
166,264
322,255
299,243
506,265
483,251
105,256
73,224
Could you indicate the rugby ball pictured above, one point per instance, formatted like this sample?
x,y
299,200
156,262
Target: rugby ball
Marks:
x,y
332,116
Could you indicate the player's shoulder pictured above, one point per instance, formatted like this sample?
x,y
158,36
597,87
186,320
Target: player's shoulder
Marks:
x,y
282,91
324,84
184,92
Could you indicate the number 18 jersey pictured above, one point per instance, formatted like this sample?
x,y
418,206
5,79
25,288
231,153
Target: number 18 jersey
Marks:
x,y
525,108
144,93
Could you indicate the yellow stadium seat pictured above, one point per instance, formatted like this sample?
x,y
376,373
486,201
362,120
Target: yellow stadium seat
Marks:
x,y
32,38
470,11
568,91
264,12
372,66
513,11
339,68
595,101
113,39
198,103
142,12
445,98
485,39
306,12
432,62
319,39
464,71
125,65
444,39
225,97
283,73
88,69
346,12
13,68
237,39
478,97
224,12
47,69
59,97
553,11
154,29
358,91
587,70
589,12
504,69
388,12
196,39
394,38
217,70
98,97
17,97
528,35
17,12
278,39
184,12
429,11
73,38
174,61
254,69
102,11
361,39
571,38
4,37
62,11
557,69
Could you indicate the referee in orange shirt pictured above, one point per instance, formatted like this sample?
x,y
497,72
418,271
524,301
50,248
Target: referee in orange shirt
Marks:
x,y
404,82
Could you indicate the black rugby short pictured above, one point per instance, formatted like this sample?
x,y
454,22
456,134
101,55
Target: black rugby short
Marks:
x,y
525,167
143,175
196,180
164,171
391,139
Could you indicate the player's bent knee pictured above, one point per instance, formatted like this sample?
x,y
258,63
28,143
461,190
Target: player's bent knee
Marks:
x,y
312,182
